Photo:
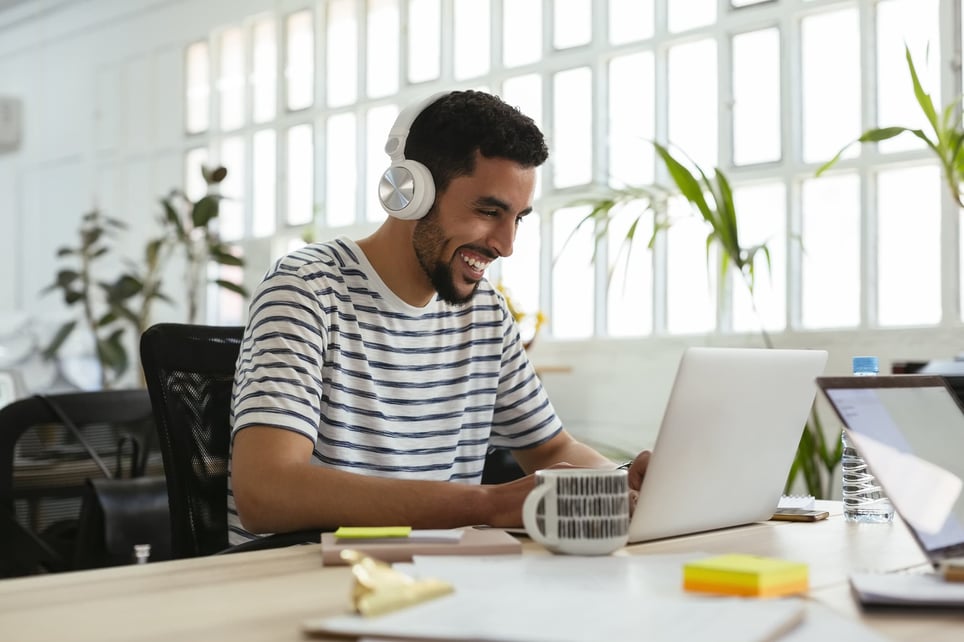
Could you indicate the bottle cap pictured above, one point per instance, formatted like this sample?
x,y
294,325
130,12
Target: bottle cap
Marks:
x,y
866,364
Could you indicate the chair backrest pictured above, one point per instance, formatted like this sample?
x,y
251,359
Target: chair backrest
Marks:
x,y
189,370
51,466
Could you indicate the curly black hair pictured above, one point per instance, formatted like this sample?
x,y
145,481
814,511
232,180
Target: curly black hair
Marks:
x,y
445,135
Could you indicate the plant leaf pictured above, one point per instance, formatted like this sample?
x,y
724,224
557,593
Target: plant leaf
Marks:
x,y
233,287
58,339
205,210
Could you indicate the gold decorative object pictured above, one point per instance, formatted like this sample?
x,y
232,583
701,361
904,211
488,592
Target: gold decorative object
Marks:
x,y
380,589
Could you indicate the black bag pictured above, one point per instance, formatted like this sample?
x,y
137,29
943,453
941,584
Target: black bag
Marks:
x,y
118,515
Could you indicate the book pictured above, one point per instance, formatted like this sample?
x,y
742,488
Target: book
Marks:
x,y
473,541
745,575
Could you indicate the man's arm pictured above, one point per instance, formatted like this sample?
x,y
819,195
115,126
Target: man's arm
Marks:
x,y
277,489
562,448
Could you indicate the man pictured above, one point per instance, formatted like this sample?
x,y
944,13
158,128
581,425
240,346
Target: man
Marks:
x,y
374,375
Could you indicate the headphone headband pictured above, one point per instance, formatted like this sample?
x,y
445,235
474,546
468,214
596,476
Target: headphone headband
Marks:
x,y
398,134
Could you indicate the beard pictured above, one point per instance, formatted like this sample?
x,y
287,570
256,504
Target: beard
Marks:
x,y
428,241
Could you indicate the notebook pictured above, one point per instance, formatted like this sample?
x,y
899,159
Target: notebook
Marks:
x,y
727,440
910,431
474,541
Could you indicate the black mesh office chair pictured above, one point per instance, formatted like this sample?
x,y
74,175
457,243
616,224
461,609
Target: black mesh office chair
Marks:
x,y
189,370
44,468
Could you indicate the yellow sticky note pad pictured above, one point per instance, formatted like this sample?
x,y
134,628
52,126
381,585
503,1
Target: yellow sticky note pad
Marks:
x,y
372,532
746,575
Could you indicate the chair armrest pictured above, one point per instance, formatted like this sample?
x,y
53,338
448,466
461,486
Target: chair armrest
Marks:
x,y
276,540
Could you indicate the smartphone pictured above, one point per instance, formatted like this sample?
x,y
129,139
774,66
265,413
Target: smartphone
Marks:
x,y
799,515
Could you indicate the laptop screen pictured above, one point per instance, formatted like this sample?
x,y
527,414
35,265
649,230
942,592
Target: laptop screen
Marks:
x,y
910,431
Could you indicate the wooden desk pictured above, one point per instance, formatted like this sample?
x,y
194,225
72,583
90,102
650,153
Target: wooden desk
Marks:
x,y
265,595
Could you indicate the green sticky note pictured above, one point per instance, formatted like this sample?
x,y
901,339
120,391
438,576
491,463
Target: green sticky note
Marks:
x,y
372,532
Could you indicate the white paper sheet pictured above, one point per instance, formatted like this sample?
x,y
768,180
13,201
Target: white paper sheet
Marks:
x,y
506,613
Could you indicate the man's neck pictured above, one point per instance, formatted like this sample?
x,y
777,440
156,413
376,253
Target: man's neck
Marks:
x,y
389,250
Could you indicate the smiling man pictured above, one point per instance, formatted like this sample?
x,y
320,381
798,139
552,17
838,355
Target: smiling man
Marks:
x,y
375,375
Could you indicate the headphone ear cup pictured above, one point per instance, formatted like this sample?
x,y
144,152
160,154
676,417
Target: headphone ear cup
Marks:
x,y
407,190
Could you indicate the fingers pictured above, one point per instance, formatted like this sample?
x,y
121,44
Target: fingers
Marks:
x,y
633,498
638,470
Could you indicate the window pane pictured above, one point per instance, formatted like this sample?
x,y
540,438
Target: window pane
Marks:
x,y
264,77
300,175
379,121
632,120
520,272
572,23
909,241
572,143
424,44
630,293
300,61
831,83
916,24
690,286
471,40
231,80
194,185
264,183
525,93
573,278
756,97
383,47
340,183
761,216
342,53
693,100
198,88
630,20
231,213
522,32
746,3
690,14
831,252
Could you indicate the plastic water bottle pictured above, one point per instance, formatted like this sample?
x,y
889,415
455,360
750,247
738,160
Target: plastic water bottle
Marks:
x,y
863,500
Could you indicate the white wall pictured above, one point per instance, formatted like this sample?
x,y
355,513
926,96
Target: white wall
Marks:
x,y
101,87
101,84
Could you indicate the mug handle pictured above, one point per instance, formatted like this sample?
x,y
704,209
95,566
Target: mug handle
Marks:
x,y
529,508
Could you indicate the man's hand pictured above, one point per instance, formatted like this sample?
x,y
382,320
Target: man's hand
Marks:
x,y
636,473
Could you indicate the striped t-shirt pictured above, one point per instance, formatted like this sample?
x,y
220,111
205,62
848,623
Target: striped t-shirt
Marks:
x,y
381,387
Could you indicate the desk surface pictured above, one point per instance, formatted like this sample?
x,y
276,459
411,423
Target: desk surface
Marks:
x,y
267,594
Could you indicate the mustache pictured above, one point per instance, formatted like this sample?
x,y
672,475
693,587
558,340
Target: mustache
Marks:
x,y
487,253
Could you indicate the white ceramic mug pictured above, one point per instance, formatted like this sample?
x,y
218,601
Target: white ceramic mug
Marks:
x,y
579,511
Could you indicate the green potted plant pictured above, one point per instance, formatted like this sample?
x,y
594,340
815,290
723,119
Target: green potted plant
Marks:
x,y
711,197
109,308
102,303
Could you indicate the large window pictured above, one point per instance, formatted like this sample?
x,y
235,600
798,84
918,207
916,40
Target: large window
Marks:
x,y
298,106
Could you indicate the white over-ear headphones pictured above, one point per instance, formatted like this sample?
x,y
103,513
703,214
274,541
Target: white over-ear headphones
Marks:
x,y
406,189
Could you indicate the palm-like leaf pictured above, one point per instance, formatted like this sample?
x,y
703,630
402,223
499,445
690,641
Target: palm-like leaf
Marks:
x,y
945,140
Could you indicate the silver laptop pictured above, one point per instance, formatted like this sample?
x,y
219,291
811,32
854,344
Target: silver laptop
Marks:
x,y
910,431
727,440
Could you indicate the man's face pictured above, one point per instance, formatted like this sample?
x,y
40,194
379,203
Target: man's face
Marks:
x,y
471,224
